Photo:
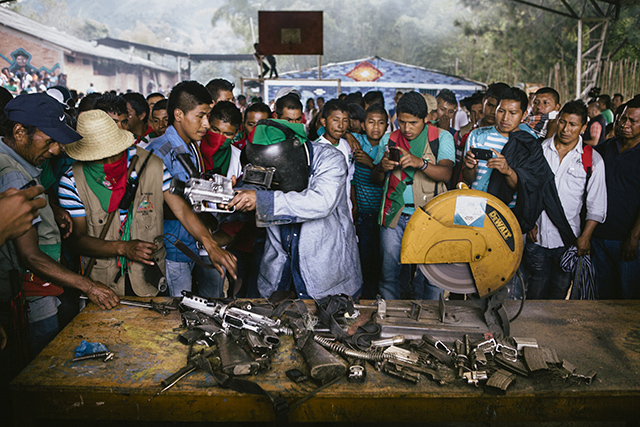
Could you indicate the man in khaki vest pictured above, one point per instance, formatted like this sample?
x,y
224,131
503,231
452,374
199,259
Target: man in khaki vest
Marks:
x,y
412,175
131,257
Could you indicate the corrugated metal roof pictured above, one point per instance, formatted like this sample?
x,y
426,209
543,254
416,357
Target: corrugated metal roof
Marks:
x,y
390,71
11,19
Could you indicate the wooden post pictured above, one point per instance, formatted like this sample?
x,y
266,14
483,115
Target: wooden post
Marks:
x,y
579,61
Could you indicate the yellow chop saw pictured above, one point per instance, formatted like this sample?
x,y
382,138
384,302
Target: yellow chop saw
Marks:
x,y
465,242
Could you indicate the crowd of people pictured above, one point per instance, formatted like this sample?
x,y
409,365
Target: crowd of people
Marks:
x,y
21,77
344,177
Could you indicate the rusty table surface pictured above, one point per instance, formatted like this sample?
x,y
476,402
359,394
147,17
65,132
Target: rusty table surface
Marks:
x,y
594,335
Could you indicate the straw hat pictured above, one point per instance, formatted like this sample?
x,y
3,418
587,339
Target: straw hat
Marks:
x,y
432,104
101,137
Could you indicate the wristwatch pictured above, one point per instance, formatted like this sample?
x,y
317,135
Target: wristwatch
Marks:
x,y
426,163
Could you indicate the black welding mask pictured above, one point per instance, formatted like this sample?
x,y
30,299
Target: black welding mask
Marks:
x,y
279,156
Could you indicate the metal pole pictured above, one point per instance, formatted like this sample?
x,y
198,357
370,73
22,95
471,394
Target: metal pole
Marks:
x,y
319,67
579,62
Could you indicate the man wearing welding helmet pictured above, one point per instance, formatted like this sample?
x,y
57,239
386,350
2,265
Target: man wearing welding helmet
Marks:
x,y
311,243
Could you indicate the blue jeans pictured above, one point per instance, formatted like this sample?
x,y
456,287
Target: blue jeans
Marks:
x,y
546,278
209,283
41,333
178,277
615,279
395,276
368,232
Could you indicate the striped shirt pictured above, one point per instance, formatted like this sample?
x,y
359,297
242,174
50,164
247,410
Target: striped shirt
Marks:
x,y
486,138
70,198
368,194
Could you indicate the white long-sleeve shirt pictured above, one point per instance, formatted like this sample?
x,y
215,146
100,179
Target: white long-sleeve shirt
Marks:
x,y
570,178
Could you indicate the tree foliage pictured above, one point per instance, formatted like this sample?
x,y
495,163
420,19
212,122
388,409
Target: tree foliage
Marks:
x,y
486,40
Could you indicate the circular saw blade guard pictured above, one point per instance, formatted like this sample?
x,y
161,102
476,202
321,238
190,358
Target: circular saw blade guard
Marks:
x,y
464,241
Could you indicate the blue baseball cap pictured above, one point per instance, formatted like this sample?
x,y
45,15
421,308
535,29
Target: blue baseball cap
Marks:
x,y
45,113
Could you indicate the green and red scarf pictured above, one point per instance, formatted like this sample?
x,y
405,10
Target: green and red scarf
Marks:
x,y
108,182
216,152
395,186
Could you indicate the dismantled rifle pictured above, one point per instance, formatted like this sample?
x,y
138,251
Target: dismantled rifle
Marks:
x,y
260,331
205,194
158,307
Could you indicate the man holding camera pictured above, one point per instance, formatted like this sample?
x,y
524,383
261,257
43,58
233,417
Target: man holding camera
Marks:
x,y
414,169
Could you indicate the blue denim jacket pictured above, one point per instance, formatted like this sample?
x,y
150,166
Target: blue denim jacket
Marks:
x,y
328,251
166,147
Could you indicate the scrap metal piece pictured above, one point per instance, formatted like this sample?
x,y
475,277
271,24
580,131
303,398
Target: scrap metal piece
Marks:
x,y
442,309
474,377
436,343
397,371
488,346
587,377
510,353
105,355
525,342
568,368
517,367
416,310
501,379
357,372
381,310
534,359
402,355
387,342
478,358
550,356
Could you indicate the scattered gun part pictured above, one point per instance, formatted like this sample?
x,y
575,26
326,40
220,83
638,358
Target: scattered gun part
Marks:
x,y
474,377
442,356
190,367
501,379
397,354
199,333
442,308
323,365
436,343
416,310
550,356
399,371
233,358
509,352
357,372
387,342
233,317
343,350
173,380
525,342
462,360
487,346
568,367
534,359
517,367
104,355
587,377
478,358
161,308
296,376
